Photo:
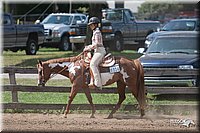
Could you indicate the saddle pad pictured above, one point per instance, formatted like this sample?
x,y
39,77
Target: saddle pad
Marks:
x,y
113,69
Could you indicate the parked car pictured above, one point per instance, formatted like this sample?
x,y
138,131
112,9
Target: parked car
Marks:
x,y
62,29
26,37
175,25
68,30
126,29
191,24
178,49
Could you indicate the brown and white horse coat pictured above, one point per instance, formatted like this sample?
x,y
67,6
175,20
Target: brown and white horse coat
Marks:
x,y
129,73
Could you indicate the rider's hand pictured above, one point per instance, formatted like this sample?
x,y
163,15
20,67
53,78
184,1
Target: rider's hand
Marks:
x,y
86,49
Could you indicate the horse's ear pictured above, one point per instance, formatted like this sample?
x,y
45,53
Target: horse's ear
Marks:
x,y
40,62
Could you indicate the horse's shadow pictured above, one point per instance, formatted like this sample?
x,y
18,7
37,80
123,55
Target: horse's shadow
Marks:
x,y
148,117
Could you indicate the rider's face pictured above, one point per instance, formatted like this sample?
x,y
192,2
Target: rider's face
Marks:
x,y
92,26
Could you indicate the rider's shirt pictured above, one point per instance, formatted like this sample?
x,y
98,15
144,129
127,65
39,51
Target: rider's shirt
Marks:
x,y
97,41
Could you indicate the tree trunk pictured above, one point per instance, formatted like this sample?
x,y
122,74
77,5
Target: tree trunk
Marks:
x,y
94,11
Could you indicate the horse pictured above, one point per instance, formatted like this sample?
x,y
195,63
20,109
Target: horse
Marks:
x,y
123,71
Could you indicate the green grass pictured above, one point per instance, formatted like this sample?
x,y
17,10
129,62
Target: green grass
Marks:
x,y
20,59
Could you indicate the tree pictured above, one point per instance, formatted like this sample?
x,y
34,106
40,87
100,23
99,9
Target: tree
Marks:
x,y
157,11
147,10
95,10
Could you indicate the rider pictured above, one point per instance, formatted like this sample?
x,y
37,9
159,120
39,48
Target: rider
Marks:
x,y
99,52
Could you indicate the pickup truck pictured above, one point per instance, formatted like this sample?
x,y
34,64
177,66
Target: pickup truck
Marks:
x,y
67,31
126,29
63,29
26,37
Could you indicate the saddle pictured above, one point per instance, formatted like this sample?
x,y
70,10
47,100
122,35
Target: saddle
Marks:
x,y
108,65
107,61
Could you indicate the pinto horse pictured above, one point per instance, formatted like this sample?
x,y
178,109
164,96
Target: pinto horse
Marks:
x,y
128,73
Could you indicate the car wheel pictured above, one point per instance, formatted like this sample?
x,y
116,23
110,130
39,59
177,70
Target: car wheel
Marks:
x,y
32,47
118,44
65,44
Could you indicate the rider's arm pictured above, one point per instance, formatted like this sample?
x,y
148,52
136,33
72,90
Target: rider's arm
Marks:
x,y
96,40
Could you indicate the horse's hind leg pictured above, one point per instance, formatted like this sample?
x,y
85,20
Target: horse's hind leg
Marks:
x,y
89,97
121,91
140,101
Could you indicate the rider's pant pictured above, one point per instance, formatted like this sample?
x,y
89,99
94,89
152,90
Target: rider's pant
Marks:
x,y
94,64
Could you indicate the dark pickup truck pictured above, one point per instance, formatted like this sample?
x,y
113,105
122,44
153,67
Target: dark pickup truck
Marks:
x,y
126,29
26,37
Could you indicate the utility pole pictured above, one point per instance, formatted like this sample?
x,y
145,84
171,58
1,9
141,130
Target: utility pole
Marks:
x,y
70,6
119,4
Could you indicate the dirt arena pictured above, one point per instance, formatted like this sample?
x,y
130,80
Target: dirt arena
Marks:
x,y
82,123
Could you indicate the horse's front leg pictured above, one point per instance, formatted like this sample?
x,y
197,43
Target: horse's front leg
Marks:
x,y
121,91
71,97
89,97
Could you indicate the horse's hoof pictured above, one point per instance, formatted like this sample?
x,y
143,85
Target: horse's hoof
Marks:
x,y
142,113
64,116
92,116
109,117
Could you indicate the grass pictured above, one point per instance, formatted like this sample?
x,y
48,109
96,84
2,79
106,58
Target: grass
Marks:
x,y
20,59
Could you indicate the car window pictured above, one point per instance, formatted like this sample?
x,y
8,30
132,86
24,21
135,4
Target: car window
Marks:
x,y
57,19
83,18
180,26
114,15
76,18
128,16
174,45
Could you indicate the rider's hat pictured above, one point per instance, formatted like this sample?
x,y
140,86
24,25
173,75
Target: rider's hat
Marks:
x,y
93,20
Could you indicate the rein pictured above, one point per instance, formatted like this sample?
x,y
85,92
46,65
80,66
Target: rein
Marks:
x,y
54,74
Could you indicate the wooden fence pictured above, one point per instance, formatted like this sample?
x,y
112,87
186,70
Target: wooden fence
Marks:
x,y
14,89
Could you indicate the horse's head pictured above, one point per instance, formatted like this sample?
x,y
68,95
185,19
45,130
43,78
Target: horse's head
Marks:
x,y
43,73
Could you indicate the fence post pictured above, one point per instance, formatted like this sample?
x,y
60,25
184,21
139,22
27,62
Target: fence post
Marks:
x,y
13,82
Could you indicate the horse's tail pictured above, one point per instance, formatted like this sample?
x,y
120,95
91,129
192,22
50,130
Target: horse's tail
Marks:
x,y
141,91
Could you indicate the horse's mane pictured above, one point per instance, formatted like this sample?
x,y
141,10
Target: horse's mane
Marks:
x,y
60,60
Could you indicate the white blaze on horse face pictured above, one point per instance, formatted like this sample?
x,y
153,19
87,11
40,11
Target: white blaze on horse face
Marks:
x,y
125,75
72,68
105,77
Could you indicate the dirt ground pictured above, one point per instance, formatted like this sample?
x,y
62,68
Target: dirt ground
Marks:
x,y
83,123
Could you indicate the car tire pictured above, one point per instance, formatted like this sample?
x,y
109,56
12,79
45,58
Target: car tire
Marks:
x,y
118,44
32,47
65,44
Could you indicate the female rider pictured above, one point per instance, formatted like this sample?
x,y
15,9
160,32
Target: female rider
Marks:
x,y
99,53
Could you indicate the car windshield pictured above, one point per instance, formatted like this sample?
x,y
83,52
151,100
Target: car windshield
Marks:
x,y
169,45
113,15
57,19
179,26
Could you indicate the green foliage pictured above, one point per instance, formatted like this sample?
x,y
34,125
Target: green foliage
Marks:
x,y
149,10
